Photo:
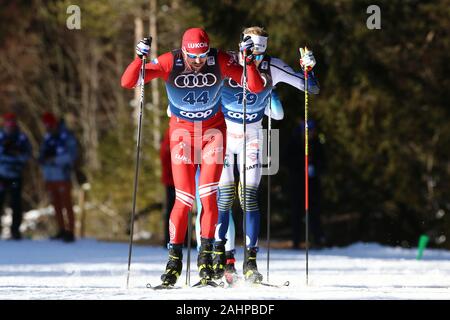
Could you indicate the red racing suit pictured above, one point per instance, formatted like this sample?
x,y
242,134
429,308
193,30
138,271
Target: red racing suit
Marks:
x,y
197,128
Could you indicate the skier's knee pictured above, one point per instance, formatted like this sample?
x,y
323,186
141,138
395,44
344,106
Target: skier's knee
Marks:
x,y
251,197
226,197
183,199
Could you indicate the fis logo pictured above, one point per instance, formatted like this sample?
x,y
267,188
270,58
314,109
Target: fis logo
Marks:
x,y
179,63
211,61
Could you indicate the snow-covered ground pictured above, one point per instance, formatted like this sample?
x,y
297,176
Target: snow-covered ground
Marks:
x,y
88,269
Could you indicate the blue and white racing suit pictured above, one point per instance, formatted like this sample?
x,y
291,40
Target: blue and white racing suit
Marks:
x,y
273,70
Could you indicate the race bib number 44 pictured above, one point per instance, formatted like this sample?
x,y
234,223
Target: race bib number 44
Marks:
x,y
191,98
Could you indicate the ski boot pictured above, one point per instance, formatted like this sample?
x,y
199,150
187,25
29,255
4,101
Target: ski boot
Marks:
x,y
230,272
219,259
204,260
174,265
69,237
250,269
59,236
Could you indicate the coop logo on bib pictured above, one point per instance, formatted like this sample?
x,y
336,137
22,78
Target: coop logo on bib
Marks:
x,y
196,115
240,115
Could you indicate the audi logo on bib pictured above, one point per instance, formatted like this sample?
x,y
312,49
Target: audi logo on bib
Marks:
x,y
233,84
197,115
195,80
239,115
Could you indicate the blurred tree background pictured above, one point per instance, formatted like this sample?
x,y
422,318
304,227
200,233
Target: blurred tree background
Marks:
x,y
383,110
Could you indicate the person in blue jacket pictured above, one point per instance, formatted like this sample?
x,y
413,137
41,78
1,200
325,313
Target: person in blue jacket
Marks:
x,y
15,150
57,157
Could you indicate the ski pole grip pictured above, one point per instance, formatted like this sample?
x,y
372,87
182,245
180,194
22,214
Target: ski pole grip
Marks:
x,y
149,38
303,51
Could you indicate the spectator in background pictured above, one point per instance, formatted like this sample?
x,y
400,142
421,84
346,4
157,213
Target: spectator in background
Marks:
x,y
167,180
296,164
57,157
15,150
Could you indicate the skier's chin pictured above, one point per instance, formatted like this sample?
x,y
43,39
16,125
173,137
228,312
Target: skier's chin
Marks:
x,y
196,66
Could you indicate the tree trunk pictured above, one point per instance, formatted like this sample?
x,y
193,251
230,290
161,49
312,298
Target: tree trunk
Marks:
x,y
154,84
88,73
94,103
176,27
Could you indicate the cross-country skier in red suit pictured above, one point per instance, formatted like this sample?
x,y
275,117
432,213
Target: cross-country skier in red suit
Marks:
x,y
193,76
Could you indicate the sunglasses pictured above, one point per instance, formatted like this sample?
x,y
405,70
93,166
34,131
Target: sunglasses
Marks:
x,y
259,57
195,56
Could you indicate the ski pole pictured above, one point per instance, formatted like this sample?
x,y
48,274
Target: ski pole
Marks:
x,y
302,53
136,173
188,268
268,182
244,162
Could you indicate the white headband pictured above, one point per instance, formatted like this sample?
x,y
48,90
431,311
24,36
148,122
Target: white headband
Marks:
x,y
259,41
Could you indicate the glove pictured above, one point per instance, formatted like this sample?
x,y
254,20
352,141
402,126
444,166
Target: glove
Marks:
x,y
307,60
143,47
247,46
